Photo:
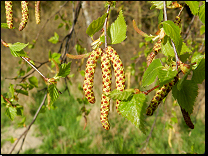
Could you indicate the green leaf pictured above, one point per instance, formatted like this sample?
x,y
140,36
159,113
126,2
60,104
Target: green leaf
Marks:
x,y
17,46
159,4
11,112
117,94
53,92
160,17
165,76
118,29
60,25
54,39
18,53
24,92
199,72
167,48
197,57
64,69
56,57
96,25
187,95
194,6
19,109
34,81
134,110
172,31
184,49
23,85
202,13
151,72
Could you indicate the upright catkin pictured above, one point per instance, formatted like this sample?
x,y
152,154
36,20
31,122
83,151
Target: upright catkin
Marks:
x,y
89,75
105,100
118,70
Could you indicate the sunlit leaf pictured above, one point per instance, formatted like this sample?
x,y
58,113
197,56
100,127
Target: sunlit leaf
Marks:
x,y
151,72
199,72
118,29
134,110
54,39
202,13
64,69
194,6
34,81
172,31
53,92
96,25
117,94
11,112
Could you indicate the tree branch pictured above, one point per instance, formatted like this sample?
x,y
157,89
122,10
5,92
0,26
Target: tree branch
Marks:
x,y
25,132
69,35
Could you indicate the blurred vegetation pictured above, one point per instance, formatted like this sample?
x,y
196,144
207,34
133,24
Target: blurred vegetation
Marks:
x,y
62,128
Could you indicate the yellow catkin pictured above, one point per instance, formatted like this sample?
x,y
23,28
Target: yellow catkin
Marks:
x,y
9,14
118,70
105,100
25,15
37,12
89,75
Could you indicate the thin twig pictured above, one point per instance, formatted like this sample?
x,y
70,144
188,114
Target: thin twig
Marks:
x,y
165,19
33,71
105,27
68,36
187,30
33,67
25,132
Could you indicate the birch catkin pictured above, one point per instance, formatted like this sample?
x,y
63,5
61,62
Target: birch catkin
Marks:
x,y
89,75
37,12
118,70
160,95
105,100
25,14
9,14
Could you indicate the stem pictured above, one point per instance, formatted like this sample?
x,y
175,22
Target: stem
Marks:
x,y
33,67
105,27
25,132
174,48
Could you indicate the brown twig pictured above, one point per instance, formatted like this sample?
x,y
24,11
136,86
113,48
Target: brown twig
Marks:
x,y
69,35
28,128
105,26
187,30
